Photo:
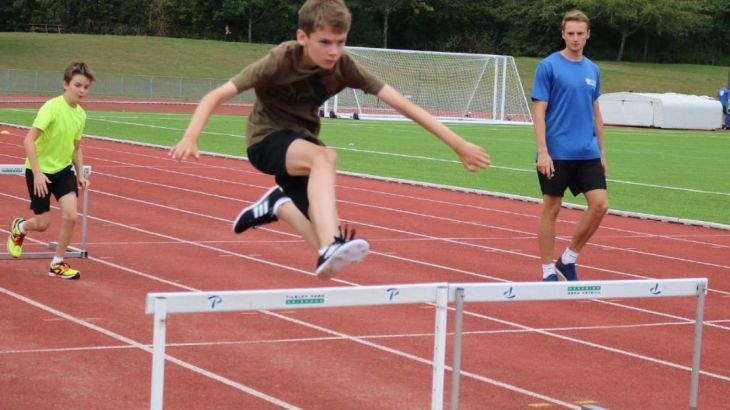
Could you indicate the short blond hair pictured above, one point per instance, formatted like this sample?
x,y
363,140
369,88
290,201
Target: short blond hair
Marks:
x,y
575,15
320,14
78,67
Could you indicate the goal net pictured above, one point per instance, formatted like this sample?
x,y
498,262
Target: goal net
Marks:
x,y
451,86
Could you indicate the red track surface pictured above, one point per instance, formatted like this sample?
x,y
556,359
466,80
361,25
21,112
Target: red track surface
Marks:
x,y
157,225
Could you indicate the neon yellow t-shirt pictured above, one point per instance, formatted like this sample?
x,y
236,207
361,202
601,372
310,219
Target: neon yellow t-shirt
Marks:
x,y
61,127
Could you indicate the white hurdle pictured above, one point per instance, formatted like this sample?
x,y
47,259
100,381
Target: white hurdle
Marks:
x,y
438,294
618,289
71,252
161,304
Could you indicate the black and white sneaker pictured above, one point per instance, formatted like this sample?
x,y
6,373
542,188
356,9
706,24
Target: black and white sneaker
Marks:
x,y
260,212
342,252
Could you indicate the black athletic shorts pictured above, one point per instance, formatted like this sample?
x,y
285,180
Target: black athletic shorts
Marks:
x,y
62,182
579,175
269,157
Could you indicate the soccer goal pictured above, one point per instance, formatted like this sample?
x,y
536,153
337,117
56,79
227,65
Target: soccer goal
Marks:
x,y
451,86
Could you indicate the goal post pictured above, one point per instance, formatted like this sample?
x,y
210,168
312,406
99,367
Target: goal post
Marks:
x,y
450,86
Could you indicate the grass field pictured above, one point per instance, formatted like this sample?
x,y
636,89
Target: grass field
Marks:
x,y
161,56
680,174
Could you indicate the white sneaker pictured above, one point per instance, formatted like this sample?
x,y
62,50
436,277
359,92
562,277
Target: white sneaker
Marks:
x,y
340,253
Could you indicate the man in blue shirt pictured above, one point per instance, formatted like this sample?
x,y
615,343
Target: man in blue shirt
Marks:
x,y
569,137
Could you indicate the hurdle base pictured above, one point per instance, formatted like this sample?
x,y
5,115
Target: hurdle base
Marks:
x,y
71,252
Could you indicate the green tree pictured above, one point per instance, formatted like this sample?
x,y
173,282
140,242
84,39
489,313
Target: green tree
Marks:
x,y
385,8
251,12
34,12
471,26
629,16
158,21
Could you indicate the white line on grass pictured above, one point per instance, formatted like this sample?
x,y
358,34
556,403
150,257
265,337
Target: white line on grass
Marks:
x,y
531,170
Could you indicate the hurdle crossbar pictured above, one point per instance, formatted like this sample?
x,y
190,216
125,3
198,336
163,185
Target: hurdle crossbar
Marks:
x,y
543,291
439,294
71,252
162,304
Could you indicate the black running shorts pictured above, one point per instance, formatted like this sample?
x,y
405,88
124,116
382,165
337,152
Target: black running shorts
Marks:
x,y
269,157
580,176
62,182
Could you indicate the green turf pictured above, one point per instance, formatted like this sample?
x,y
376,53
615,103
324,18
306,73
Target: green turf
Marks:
x,y
161,56
674,173
133,55
682,174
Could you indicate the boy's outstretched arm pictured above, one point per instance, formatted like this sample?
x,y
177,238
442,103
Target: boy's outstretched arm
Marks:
x,y
188,145
472,156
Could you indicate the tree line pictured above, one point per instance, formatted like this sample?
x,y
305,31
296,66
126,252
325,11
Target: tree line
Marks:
x,y
668,31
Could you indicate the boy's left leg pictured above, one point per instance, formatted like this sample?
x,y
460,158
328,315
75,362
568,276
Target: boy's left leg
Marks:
x,y
337,248
67,203
319,163
69,215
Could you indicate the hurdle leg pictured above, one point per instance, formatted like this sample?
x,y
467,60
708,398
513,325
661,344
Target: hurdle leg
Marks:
x,y
456,360
695,378
158,354
439,348
85,214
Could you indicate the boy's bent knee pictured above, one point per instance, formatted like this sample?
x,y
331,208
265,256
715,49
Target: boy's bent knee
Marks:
x,y
42,226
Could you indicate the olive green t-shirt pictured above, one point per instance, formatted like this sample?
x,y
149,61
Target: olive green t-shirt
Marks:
x,y
61,127
288,96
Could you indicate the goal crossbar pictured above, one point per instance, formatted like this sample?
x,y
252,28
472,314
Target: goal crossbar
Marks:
x,y
453,87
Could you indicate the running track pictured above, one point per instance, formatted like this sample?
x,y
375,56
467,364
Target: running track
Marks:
x,y
157,225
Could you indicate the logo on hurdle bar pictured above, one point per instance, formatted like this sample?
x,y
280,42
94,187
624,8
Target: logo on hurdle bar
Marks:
x,y
305,299
655,289
215,300
392,293
584,290
509,293
11,169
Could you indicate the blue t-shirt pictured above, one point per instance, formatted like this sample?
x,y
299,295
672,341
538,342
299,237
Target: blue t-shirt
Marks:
x,y
570,89
723,94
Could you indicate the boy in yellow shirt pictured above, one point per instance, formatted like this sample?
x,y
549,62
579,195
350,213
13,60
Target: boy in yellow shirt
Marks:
x,y
53,149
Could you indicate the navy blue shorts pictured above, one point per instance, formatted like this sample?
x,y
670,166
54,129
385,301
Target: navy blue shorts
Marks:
x,y
269,157
580,176
62,182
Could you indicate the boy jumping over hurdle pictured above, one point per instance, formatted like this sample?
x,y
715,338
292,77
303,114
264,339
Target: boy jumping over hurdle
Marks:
x,y
282,135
